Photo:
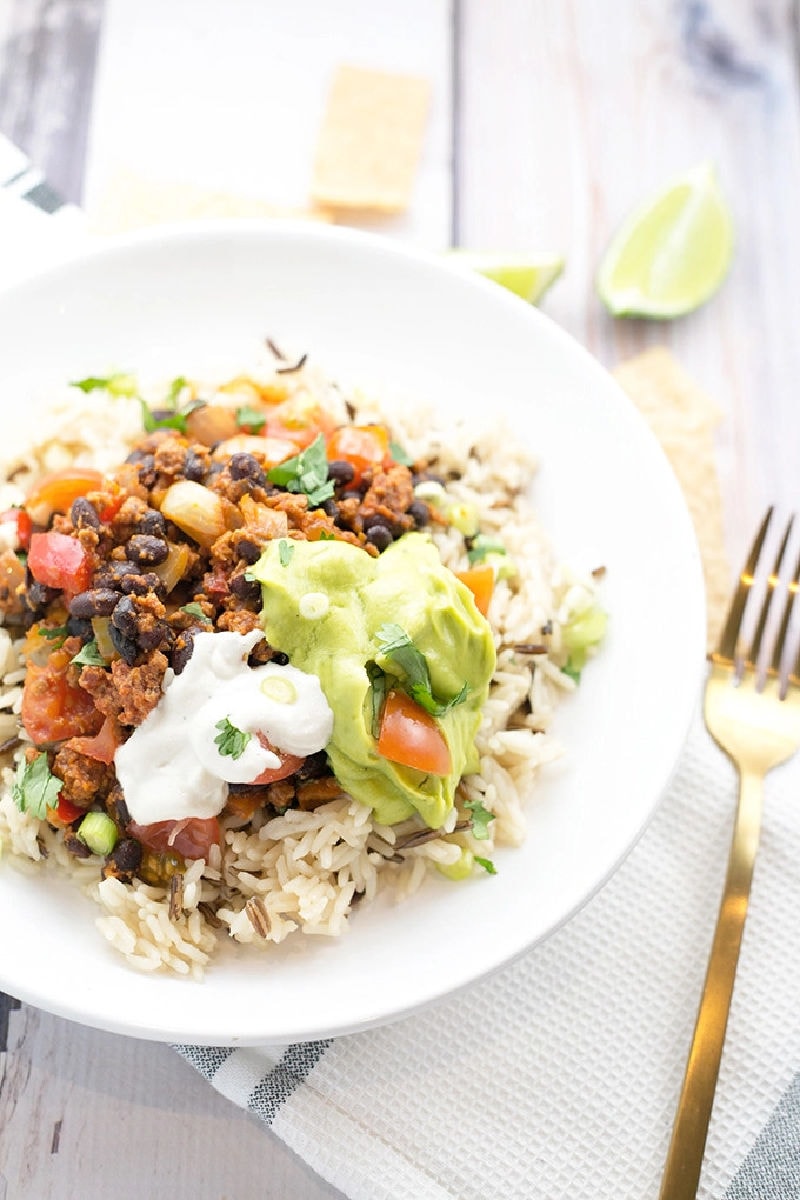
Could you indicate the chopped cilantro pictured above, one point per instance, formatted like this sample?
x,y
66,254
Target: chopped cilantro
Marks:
x,y
194,610
119,384
480,819
150,422
395,644
285,552
175,389
35,788
482,545
569,669
251,419
51,632
486,863
231,741
89,656
306,472
327,537
400,455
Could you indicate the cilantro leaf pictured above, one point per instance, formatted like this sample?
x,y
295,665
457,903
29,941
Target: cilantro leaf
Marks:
x,y
569,669
397,646
119,384
285,552
89,656
486,863
35,788
150,422
194,610
230,740
480,819
400,455
51,632
175,389
252,419
482,545
306,472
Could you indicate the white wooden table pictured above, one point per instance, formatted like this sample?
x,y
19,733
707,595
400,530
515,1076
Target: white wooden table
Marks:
x,y
550,119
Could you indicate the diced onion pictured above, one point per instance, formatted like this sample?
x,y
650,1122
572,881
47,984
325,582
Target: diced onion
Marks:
x,y
195,510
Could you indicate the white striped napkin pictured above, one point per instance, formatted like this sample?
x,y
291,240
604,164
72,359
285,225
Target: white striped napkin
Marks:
x,y
558,1077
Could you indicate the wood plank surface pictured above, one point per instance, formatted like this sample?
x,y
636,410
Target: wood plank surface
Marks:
x,y
572,113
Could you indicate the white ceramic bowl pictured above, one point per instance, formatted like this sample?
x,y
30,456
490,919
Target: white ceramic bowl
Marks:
x,y
183,300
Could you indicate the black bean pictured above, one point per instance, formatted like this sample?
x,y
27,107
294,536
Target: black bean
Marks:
x,y
137,456
419,512
372,520
126,855
97,602
380,536
38,596
158,637
140,585
245,466
77,847
314,765
153,523
147,470
244,588
80,627
427,476
183,651
125,619
113,573
193,467
351,496
341,472
125,647
330,507
84,514
146,550
249,550
279,658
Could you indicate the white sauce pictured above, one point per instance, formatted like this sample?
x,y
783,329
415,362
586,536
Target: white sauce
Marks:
x,y
172,769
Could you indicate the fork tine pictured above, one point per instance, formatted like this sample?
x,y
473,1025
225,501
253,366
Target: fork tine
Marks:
x,y
772,583
783,628
730,633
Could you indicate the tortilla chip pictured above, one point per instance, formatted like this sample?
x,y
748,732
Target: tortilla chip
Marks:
x,y
370,142
683,419
132,202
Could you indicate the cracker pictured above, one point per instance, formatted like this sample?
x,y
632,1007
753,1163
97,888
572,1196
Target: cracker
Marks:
x,y
370,141
131,201
683,419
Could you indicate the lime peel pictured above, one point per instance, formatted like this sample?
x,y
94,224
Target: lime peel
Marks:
x,y
673,251
526,275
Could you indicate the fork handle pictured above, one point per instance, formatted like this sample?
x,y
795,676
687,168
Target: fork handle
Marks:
x,y
690,1130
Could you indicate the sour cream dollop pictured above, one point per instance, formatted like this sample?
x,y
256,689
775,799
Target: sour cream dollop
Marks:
x,y
171,768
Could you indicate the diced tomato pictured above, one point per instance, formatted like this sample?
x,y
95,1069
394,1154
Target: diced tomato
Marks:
x,y
103,745
298,420
480,581
59,561
19,525
363,446
410,736
64,812
193,839
56,492
53,710
112,507
288,765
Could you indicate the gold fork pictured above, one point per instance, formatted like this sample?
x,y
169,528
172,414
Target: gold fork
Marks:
x,y
752,710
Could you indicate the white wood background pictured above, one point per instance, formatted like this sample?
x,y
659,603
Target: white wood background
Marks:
x,y
550,119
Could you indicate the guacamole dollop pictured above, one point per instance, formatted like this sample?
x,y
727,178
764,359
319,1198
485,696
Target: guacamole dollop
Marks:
x,y
323,604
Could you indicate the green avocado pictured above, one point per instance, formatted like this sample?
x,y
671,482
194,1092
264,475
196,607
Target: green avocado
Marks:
x,y
349,595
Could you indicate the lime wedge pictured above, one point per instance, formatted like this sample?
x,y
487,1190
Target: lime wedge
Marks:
x,y
672,253
526,275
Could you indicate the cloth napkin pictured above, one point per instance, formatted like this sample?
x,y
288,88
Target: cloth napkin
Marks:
x,y
558,1076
